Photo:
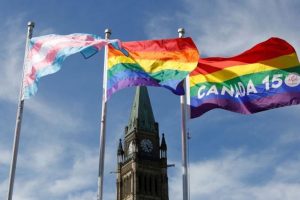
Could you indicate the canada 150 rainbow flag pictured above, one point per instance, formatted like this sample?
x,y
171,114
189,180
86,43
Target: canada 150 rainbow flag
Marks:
x,y
162,63
263,77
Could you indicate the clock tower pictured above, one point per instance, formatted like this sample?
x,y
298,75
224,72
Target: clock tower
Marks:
x,y
142,157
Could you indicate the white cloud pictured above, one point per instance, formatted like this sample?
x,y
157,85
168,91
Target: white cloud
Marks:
x,y
43,156
88,195
55,172
157,27
5,157
81,176
12,40
237,175
225,28
290,137
288,172
55,115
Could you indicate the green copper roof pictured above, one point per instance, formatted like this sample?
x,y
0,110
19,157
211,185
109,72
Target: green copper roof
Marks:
x,y
141,116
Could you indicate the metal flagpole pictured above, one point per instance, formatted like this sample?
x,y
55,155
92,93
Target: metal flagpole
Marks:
x,y
12,171
181,32
103,122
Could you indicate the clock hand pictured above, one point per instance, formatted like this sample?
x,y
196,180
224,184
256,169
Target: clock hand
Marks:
x,y
148,147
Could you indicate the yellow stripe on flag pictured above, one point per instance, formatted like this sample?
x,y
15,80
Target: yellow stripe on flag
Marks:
x,y
152,66
228,73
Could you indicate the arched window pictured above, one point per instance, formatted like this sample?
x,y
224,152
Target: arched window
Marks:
x,y
126,186
145,184
156,186
123,187
150,184
140,183
129,184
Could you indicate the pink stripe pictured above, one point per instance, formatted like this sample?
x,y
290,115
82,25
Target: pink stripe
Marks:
x,y
38,44
53,51
29,78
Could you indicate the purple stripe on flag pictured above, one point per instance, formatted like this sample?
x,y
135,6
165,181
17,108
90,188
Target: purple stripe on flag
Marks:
x,y
129,83
257,105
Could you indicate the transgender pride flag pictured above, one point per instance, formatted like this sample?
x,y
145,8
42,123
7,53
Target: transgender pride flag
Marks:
x,y
46,54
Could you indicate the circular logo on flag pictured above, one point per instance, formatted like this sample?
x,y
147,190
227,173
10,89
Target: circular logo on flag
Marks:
x,y
292,80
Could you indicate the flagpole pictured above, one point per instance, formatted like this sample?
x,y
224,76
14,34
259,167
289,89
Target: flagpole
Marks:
x,y
103,122
12,171
181,32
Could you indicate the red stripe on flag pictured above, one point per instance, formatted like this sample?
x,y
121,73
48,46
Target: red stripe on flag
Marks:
x,y
269,49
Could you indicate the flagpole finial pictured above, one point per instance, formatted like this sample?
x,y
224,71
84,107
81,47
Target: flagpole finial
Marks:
x,y
181,32
107,33
30,24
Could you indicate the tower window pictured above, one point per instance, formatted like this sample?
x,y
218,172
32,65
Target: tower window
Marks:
x,y
150,184
123,188
156,186
140,183
145,184
128,186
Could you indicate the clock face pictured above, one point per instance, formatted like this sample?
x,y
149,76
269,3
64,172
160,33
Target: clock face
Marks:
x,y
146,145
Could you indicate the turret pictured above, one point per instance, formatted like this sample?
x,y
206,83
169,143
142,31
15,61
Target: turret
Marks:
x,y
163,147
120,152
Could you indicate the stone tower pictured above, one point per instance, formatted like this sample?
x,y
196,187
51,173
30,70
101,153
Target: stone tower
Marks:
x,y
142,157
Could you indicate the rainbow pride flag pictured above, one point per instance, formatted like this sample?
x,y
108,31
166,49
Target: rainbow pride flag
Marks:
x,y
47,53
263,77
162,63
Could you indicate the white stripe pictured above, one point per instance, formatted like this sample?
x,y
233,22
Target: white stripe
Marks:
x,y
48,45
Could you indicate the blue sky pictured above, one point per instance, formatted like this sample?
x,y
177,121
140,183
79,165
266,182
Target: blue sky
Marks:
x,y
232,156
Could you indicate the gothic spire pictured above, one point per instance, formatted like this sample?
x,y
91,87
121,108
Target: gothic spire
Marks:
x,y
141,117
120,152
163,145
120,148
163,148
